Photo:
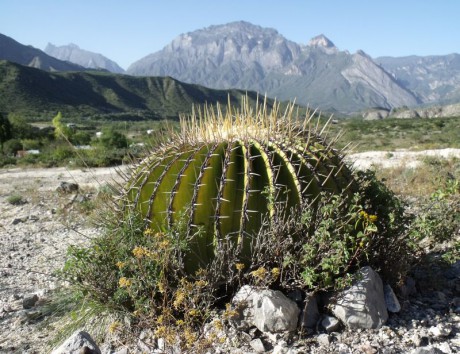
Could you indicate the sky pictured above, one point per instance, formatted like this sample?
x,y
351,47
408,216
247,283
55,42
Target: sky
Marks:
x,y
126,31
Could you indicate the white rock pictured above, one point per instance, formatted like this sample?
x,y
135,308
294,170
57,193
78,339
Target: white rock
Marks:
x,y
243,302
257,345
330,324
363,304
441,330
323,339
274,312
76,342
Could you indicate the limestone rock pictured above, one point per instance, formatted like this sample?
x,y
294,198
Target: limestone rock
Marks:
x,y
324,339
79,342
257,345
242,302
441,330
363,304
274,312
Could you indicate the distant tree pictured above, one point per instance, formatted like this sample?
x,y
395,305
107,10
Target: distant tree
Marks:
x,y
80,138
111,139
5,130
21,129
12,146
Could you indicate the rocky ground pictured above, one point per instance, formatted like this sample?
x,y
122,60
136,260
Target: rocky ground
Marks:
x,y
35,233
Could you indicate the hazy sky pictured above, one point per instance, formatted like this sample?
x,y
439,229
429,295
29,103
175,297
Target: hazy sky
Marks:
x,y
126,31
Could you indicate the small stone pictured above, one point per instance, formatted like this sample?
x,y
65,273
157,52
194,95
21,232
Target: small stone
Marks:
x,y
18,220
33,218
161,344
390,299
427,350
367,348
29,301
67,187
330,324
76,342
122,351
323,339
33,315
310,314
441,330
258,345
280,348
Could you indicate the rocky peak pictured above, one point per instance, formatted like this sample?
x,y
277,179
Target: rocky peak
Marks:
x,y
321,41
74,54
229,43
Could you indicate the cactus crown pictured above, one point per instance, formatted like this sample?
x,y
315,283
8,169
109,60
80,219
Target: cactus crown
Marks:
x,y
226,173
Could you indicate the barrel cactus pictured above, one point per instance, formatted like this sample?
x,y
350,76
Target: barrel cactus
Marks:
x,y
225,173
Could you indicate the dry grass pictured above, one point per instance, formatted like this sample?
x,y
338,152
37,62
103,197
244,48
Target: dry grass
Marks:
x,y
423,180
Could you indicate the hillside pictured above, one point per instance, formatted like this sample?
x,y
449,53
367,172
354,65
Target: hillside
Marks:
x,y
247,56
37,94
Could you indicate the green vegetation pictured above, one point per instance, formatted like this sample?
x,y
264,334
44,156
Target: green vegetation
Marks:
x,y
5,130
99,96
313,230
68,144
391,134
15,199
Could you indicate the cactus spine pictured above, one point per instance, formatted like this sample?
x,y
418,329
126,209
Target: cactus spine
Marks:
x,y
226,173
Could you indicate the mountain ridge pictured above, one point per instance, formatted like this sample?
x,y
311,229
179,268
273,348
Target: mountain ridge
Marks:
x,y
14,51
74,54
248,56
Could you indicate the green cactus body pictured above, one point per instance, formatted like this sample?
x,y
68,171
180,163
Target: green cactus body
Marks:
x,y
226,186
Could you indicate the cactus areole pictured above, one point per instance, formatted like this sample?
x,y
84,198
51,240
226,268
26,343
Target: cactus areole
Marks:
x,y
225,174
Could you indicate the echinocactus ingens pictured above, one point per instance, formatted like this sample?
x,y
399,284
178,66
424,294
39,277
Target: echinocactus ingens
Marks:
x,y
225,173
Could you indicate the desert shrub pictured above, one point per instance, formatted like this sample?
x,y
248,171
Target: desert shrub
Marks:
x,y
437,221
15,199
7,160
80,138
12,146
31,144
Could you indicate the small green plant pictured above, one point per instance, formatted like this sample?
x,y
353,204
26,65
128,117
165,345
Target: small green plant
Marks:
x,y
437,222
15,199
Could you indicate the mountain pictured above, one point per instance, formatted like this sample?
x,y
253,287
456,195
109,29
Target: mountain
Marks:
x,y
247,56
29,56
87,59
38,94
434,79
